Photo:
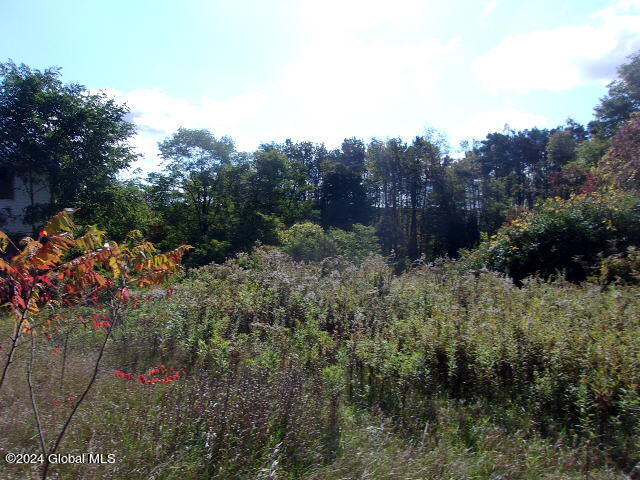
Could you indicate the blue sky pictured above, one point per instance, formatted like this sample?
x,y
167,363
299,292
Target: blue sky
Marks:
x,y
324,70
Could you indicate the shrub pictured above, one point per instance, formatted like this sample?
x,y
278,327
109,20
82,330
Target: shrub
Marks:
x,y
330,370
209,250
309,242
356,244
555,356
52,277
621,268
562,236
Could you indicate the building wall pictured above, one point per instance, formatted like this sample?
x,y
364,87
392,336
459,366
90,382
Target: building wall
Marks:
x,y
12,210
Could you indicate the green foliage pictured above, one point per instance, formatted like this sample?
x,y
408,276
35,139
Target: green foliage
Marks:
x,y
422,202
591,151
622,267
356,244
562,236
561,149
344,199
330,370
553,359
210,250
128,199
195,159
60,135
308,242
279,186
622,99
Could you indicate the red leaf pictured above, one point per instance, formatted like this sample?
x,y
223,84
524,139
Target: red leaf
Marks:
x,y
18,301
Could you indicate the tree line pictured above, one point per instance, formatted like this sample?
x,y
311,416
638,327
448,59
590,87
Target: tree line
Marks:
x,y
420,199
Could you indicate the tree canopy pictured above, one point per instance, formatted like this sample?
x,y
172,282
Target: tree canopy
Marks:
x,y
62,134
622,99
413,196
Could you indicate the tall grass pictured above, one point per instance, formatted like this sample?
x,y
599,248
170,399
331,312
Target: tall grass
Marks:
x,y
331,370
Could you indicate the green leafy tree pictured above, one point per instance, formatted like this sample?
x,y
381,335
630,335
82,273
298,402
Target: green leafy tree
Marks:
x,y
312,156
129,199
194,160
622,99
561,149
344,199
385,165
61,135
279,186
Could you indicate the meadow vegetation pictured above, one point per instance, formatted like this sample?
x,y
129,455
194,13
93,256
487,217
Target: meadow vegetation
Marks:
x,y
332,370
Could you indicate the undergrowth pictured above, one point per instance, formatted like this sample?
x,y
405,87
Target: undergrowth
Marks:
x,y
331,371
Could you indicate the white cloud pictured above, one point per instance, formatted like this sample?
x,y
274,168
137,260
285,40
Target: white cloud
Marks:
x,y
329,18
156,112
350,86
480,124
619,7
564,57
363,67
488,7
157,115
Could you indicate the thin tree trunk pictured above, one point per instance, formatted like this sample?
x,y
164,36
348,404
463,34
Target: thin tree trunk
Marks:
x,y
94,375
64,360
32,396
14,340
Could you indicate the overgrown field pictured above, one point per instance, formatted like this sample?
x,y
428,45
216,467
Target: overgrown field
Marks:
x,y
332,371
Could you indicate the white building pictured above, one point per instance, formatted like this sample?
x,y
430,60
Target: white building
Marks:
x,y
15,197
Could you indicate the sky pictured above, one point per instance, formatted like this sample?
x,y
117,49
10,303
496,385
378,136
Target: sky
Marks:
x,y
262,71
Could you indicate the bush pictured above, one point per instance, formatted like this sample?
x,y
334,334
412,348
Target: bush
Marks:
x,y
357,244
209,250
551,357
621,268
562,236
308,242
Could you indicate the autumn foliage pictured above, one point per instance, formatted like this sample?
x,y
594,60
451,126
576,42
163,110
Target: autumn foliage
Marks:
x,y
621,165
155,375
59,271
